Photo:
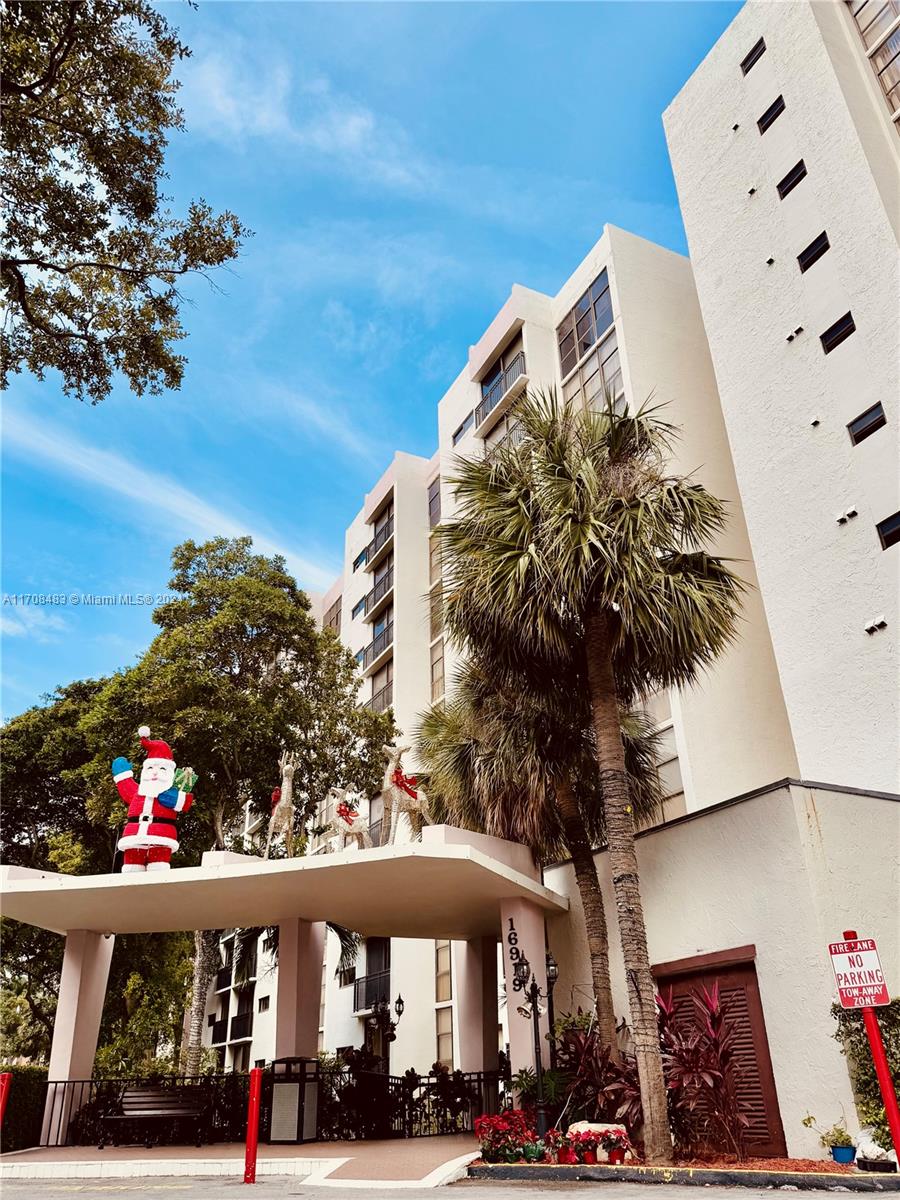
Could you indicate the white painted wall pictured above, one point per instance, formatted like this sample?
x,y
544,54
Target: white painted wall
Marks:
x,y
788,871
821,582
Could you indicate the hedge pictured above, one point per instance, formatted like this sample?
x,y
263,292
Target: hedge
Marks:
x,y
25,1107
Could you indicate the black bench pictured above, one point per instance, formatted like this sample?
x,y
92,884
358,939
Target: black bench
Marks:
x,y
147,1108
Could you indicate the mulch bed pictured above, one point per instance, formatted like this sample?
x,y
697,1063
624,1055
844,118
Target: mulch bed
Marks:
x,y
818,1166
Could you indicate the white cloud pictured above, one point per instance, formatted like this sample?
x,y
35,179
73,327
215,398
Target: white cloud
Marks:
x,y
30,621
154,493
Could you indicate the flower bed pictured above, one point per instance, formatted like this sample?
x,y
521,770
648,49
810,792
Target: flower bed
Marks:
x,y
511,1138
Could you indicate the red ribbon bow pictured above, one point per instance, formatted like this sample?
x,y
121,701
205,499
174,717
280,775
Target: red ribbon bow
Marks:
x,y
346,813
408,783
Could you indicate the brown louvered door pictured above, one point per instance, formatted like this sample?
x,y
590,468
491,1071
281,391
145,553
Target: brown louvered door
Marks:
x,y
740,995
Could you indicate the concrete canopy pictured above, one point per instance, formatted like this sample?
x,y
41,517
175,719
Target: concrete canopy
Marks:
x,y
434,889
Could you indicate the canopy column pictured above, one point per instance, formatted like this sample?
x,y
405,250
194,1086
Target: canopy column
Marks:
x,y
476,988
76,1027
522,924
301,953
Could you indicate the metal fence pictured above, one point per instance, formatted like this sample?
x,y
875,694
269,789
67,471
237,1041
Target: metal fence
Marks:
x,y
74,1108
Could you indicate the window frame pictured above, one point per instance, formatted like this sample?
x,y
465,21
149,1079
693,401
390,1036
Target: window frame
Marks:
x,y
879,420
813,252
788,182
771,115
838,332
889,531
460,432
749,61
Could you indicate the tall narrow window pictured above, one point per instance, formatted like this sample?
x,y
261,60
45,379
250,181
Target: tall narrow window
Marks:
x,y
436,611
460,433
771,115
753,57
838,332
332,618
889,531
443,1020
434,502
793,177
813,252
434,560
866,423
437,670
443,985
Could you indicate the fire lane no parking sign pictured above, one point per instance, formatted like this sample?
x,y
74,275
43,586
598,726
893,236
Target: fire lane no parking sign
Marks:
x,y
858,974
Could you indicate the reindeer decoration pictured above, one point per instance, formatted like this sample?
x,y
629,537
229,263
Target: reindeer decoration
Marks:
x,y
282,818
347,823
401,794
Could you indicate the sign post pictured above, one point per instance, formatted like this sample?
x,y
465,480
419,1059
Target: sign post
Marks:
x,y
861,984
256,1075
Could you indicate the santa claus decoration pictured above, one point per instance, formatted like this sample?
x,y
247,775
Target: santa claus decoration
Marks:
x,y
149,836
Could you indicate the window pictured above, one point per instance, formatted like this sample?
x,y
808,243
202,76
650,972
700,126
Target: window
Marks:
x,y
361,559
585,324
434,502
443,1020
384,518
380,624
333,617
866,423
813,252
771,115
889,531
437,670
263,1004
443,985
436,611
211,1020
358,608
434,560
874,19
659,709
838,332
267,945
599,376
793,177
346,977
259,1062
753,57
460,433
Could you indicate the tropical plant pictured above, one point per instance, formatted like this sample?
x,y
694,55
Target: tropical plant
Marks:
x,y
516,762
854,1043
836,1135
577,544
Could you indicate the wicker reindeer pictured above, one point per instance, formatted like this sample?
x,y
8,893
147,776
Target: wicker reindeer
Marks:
x,y
282,818
401,794
347,823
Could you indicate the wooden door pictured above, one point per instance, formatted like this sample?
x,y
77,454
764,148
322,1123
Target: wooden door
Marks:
x,y
739,990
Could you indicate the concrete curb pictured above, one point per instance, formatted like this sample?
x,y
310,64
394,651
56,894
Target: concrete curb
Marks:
x,y
864,1181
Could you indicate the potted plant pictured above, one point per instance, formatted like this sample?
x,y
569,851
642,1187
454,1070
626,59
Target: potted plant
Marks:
x,y
836,1139
554,1139
616,1145
533,1152
585,1145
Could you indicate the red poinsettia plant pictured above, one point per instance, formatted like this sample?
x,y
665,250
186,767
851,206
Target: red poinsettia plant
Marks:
x,y
503,1136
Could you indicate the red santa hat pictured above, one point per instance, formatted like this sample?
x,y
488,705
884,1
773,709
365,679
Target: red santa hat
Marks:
x,y
157,751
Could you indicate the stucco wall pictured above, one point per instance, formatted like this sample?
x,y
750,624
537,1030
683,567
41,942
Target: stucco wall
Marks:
x,y
755,872
822,582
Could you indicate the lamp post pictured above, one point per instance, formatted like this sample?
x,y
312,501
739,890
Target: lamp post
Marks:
x,y
552,976
522,972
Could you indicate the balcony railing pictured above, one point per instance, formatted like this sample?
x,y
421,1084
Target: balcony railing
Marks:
x,y
219,1031
382,699
369,989
375,833
379,591
242,1026
500,387
223,978
376,647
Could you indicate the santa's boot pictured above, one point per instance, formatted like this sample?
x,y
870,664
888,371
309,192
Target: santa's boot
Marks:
x,y
159,858
134,860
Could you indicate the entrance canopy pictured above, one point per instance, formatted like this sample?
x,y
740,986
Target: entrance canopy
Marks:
x,y
450,885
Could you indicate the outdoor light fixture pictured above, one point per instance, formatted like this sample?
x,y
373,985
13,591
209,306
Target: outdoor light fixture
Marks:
x,y
399,1006
552,970
552,976
522,970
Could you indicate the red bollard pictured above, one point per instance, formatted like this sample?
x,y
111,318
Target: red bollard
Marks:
x,y
5,1085
256,1075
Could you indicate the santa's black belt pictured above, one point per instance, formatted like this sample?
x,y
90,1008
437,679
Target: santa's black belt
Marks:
x,y
151,821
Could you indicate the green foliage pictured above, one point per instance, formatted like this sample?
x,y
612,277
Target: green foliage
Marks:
x,y
25,1108
835,1135
93,256
580,1020
851,1036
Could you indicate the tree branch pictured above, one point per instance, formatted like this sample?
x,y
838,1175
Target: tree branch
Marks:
x,y
58,56
31,317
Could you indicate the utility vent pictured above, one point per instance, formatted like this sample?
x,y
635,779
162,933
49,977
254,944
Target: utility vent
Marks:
x,y
875,625
771,115
838,332
814,251
866,424
793,177
753,57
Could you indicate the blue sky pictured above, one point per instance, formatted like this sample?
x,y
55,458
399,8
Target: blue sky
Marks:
x,y
401,165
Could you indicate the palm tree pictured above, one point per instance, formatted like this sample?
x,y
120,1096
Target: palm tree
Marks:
x,y
509,762
578,544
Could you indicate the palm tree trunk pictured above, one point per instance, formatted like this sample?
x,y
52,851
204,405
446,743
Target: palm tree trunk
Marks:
x,y
629,910
588,884
206,943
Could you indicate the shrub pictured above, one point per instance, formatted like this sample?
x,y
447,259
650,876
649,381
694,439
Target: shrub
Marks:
x,y
851,1035
504,1137
25,1107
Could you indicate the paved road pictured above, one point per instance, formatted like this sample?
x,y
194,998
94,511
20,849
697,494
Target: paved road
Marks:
x,y
280,1188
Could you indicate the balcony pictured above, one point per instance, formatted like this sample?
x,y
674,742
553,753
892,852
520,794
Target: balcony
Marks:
x,y
223,978
376,653
219,1031
382,699
369,989
504,391
375,601
241,1027
377,549
511,438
